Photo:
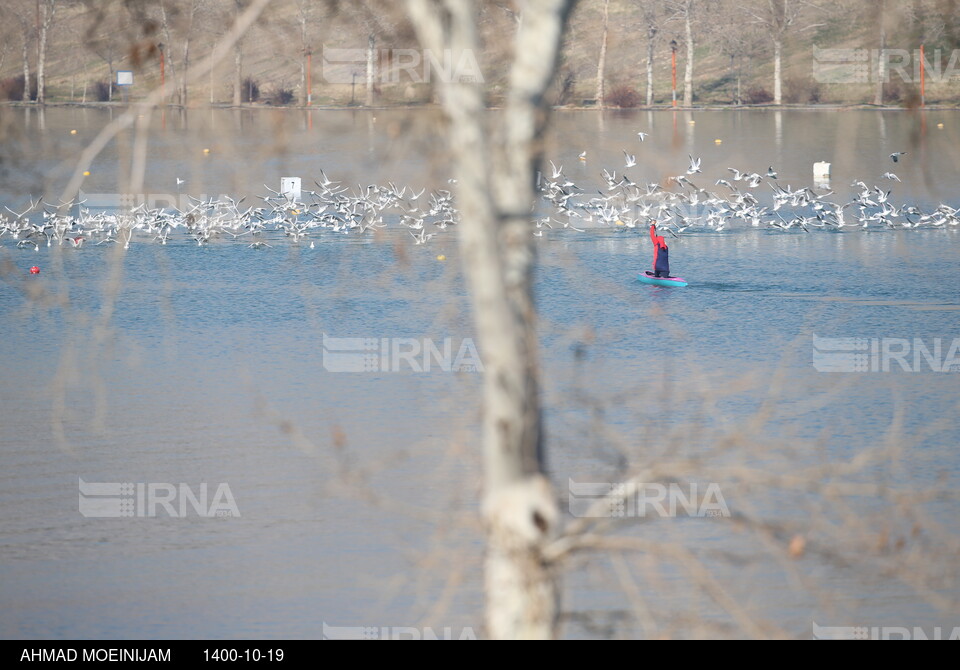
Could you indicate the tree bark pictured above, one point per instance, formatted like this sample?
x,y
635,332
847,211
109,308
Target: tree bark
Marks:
x,y
169,60
47,10
371,67
182,94
237,73
651,36
882,61
650,74
739,79
602,62
777,70
26,68
495,194
688,70
302,20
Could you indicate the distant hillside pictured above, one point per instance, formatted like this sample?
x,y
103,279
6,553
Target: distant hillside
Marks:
x,y
733,51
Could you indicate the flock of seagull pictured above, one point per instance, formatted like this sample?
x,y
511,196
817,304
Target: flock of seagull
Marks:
x,y
677,205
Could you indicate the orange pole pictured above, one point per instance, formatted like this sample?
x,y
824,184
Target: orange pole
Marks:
x,y
923,79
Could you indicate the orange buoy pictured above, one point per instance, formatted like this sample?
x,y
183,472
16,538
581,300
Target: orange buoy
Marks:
x,y
34,270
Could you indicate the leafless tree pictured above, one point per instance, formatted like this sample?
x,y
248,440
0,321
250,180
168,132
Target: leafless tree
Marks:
x,y
653,18
778,17
21,14
736,42
106,37
602,61
882,61
495,191
239,6
371,67
177,22
683,11
304,18
372,23
14,18
47,11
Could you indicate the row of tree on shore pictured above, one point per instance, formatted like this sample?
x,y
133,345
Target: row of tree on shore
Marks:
x,y
617,53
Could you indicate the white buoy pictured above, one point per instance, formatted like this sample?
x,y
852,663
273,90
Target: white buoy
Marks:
x,y
290,188
821,173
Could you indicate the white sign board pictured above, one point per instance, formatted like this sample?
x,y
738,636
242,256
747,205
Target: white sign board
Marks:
x,y
124,78
290,188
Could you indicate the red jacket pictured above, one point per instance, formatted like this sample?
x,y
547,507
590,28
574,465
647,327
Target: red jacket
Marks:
x,y
658,243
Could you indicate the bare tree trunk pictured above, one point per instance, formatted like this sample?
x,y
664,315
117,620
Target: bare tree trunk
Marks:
x,y
303,79
186,68
602,63
371,67
302,20
237,73
495,193
41,64
688,70
882,61
168,47
182,89
777,70
651,36
47,9
739,79
26,68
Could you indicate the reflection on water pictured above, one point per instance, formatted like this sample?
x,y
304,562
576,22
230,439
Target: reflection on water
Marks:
x,y
357,491
251,147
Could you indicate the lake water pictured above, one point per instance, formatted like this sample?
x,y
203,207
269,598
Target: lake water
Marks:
x,y
357,491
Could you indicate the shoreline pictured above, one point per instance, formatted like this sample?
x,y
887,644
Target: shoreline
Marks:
x,y
432,106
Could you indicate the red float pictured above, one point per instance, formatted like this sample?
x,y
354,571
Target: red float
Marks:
x,y
34,270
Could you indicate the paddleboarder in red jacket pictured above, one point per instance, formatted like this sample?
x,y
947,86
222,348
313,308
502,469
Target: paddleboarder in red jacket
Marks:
x,y
661,255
